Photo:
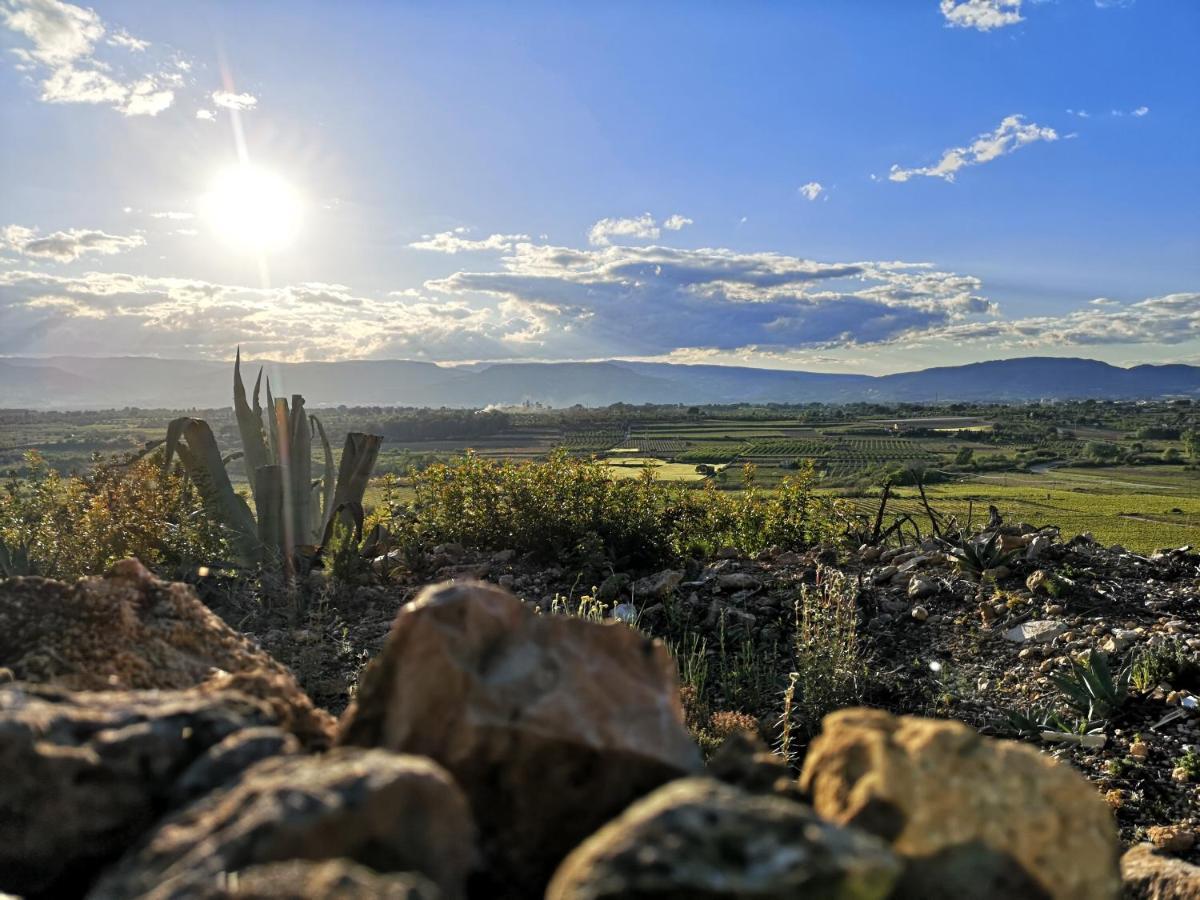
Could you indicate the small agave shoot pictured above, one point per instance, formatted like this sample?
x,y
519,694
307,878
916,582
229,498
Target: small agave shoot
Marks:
x,y
294,513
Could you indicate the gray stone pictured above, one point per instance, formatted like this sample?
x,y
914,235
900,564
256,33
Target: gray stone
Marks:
x,y
391,812
701,838
1041,631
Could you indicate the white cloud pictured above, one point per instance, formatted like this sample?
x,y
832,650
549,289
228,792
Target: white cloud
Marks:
x,y
173,215
982,15
676,222
230,100
122,38
644,227
1081,113
206,115
63,39
1141,111
812,190
454,242
1169,319
1010,135
65,246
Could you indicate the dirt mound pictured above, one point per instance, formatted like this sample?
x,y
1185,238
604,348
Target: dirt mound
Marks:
x,y
128,630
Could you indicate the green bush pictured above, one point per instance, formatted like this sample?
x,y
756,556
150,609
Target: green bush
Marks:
x,y
71,526
555,508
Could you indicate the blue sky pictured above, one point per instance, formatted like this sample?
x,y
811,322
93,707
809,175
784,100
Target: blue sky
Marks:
x,y
866,186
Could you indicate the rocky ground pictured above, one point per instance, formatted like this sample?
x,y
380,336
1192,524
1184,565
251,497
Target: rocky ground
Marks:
x,y
493,748
937,641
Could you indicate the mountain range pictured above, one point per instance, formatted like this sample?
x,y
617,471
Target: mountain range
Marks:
x,y
69,382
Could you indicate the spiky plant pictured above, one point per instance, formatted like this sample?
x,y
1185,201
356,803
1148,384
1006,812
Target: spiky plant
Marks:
x,y
1092,689
293,512
976,557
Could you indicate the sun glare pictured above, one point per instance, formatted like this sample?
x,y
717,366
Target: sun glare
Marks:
x,y
252,208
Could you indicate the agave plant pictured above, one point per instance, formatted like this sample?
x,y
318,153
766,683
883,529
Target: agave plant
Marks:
x,y
976,556
1092,689
293,512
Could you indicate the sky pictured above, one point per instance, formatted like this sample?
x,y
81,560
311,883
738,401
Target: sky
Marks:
x,y
869,186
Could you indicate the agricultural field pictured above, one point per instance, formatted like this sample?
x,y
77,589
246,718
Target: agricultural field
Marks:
x,y
1117,470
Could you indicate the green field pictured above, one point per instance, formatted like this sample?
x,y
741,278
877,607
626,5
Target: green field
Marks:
x,y
1141,509
1113,469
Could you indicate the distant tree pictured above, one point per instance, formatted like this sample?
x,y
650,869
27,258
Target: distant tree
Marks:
x,y
1191,444
964,456
704,469
1102,451
1172,455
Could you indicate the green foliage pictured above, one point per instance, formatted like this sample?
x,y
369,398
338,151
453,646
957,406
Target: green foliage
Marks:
x,y
565,505
1190,764
1191,444
1091,688
1035,720
1168,662
67,526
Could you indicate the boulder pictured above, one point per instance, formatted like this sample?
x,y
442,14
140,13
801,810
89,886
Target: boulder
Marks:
x,y
551,724
223,762
390,812
86,773
333,879
1146,875
697,837
736,581
128,630
973,816
657,586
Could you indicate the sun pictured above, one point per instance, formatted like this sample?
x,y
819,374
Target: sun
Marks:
x,y
252,208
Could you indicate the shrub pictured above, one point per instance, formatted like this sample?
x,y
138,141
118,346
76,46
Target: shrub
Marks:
x,y
565,506
71,526
829,669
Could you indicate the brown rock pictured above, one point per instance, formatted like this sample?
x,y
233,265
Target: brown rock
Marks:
x,y
390,812
551,724
1148,876
334,879
1171,838
699,838
130,631
974,816
85,773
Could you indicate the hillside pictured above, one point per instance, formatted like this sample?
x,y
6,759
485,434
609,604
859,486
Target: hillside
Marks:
x,y
114,382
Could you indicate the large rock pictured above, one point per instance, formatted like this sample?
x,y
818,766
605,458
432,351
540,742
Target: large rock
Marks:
x,y
389,812
698,837
130,631
973,816
1149,876
551,724
83,774
335,879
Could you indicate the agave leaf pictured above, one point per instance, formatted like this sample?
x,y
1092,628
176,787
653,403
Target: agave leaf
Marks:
x,y
329,479
192,440
350,510
358,459
230,457
270,508
300,473
254,445
272,428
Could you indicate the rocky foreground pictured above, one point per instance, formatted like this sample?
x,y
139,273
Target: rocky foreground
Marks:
x,y
150,750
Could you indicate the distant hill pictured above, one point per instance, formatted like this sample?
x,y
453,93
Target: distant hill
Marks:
x,y
67,382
